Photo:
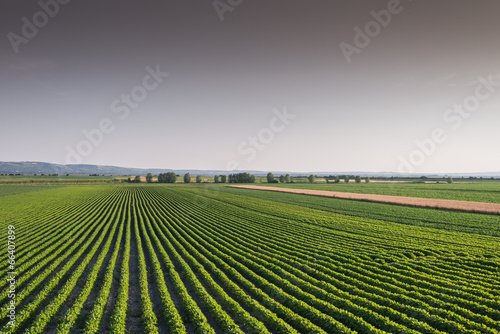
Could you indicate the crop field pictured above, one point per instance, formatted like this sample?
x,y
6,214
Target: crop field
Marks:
x,y
6,190
442,204
56,179
152,258
485,191
426,217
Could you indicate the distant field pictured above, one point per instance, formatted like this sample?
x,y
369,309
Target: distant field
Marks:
x,y
207,259
30,179
486,191
6,190
437,219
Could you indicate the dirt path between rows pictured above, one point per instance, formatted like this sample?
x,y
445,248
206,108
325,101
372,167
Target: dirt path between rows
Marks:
x,y
444,204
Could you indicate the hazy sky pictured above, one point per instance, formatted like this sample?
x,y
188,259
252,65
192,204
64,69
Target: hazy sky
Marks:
x,y
269,85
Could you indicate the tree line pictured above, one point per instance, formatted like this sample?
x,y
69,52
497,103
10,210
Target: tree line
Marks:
x,y
171,177
312,178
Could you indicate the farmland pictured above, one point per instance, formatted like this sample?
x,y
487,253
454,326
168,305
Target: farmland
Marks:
x,y
207,259
425,217
485,191
56,179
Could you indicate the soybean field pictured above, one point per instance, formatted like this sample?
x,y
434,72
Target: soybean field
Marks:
x,y
152,258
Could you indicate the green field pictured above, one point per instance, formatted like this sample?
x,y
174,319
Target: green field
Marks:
x,y
437,219
46,179
6,190
152,258
486,191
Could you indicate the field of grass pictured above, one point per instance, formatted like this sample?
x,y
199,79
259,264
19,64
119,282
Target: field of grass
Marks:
x,y
6,190
197,259
486,191
59,179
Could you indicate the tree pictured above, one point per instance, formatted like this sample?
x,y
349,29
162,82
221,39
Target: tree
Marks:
x,y
241,178
129,180
198,179
337,179
223,178
187,178
137,179
149,178
449,179
311,178
367,179
282,178
358,179
270,177
288,179
346,179
169,177
216,179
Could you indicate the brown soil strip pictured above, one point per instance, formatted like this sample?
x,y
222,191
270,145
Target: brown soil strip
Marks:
x,y
133,323
115,285
443,204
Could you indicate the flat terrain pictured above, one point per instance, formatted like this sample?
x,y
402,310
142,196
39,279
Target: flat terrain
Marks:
x,y
490,208
480,191
152,258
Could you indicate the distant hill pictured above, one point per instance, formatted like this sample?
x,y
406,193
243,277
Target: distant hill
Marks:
x,y
35,167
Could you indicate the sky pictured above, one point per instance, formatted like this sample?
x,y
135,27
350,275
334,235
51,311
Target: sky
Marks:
x,y
284,85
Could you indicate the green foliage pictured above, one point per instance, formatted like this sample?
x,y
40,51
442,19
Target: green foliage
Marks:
x,y
223,178
449,180
436,220
198,179
288,179
358,179
311,178
282,179
137,179
270,177
7,190
216,179
240,178
367,179
486,191
245,261
169,177
187,178
346,179
149,178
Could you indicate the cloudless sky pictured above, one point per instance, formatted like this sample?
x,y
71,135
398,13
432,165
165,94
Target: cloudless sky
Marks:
x,y
229,79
